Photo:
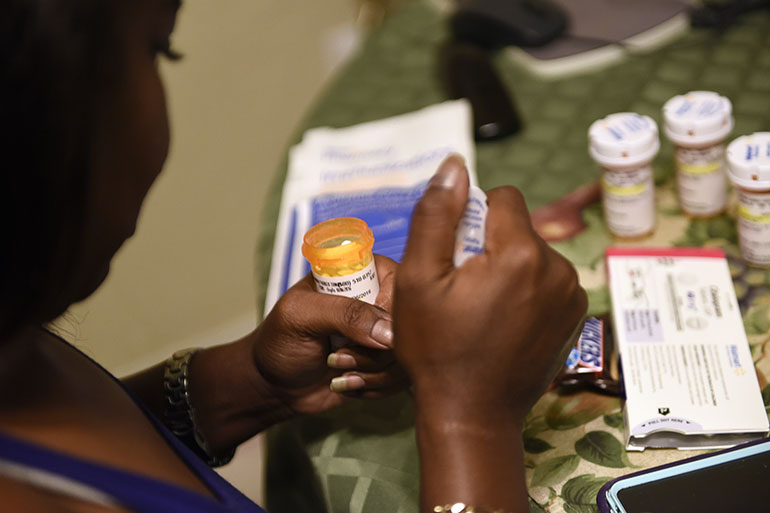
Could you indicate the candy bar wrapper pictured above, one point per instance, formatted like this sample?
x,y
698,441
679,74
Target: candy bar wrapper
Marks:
x,y
592,363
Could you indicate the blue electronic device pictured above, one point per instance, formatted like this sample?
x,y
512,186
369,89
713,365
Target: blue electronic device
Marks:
x,y
731,480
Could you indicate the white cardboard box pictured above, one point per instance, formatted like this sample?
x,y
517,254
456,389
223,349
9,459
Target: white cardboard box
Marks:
x,y
687,369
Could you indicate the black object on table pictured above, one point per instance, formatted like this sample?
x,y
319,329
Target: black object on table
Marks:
x,y
500,23
467,72
721,14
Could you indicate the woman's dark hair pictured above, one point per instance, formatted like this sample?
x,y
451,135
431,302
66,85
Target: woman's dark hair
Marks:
x,y
54,73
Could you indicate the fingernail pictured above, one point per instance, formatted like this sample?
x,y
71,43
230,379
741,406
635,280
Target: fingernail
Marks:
x,y
341,361
382,332
347,383
449,172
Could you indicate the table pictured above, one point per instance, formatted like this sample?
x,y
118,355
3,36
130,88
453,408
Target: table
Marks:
x,y
363,458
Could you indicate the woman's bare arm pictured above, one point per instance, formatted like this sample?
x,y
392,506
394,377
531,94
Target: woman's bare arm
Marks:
x,y
480,342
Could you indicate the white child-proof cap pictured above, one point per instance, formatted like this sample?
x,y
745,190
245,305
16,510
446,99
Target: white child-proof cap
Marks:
x,y
697,118
748,161
623,140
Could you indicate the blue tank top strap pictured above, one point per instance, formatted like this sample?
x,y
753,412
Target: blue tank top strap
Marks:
x,y
136,492
133,491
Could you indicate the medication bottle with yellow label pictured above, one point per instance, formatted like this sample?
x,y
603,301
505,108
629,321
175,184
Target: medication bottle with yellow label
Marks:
x,y
624,144
698,123
748,166
340,255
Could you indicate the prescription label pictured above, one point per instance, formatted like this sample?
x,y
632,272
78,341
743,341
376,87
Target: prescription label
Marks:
x,y
754,227
362,284
683,349
701,179
469,238
629,201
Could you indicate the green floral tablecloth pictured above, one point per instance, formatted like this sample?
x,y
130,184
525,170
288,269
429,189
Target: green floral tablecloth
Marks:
x,y
362,458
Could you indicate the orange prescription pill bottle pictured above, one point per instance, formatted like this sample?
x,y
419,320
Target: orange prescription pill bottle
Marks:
x,y
748,166
698,123
340,255
624,144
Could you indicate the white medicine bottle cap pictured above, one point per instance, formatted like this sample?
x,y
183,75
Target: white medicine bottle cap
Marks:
x,y
697,118
623,140
748,161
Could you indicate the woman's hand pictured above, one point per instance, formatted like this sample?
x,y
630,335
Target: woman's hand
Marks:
x,y
492,331
283,367
292,346
480,342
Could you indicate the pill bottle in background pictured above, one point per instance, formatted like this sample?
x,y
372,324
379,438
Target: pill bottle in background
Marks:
x,y
698,123
624,144
340,255
748,167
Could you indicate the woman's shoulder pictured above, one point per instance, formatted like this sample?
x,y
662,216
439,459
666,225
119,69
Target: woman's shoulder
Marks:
x,y
21,496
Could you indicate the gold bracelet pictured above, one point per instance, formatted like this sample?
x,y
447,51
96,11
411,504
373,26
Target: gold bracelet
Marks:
x,y
461,507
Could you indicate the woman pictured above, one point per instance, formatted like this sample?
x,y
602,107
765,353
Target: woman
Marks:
x,y
84,135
